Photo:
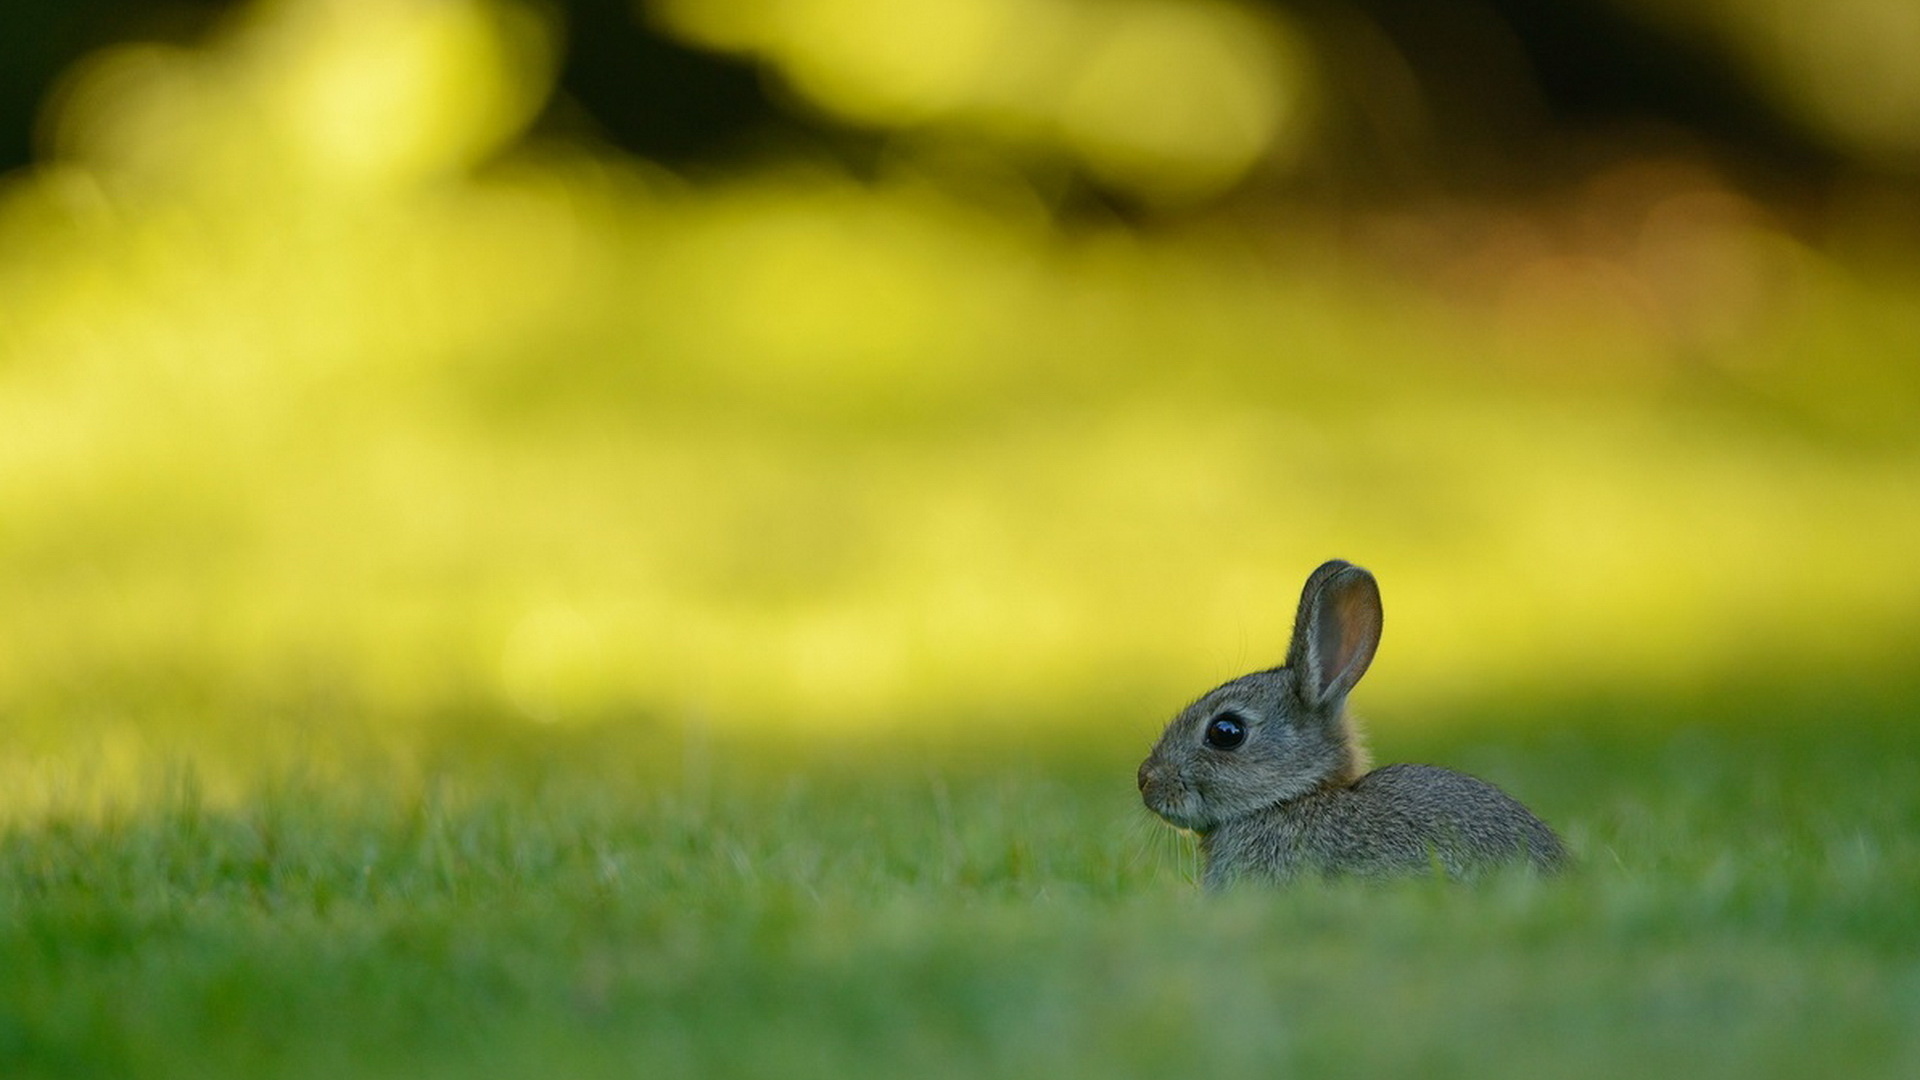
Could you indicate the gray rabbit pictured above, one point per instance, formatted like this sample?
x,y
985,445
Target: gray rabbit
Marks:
x,y
1267,771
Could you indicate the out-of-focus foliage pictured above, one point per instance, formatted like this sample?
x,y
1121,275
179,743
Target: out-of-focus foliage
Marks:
x,y
1166,100
320,383
320,97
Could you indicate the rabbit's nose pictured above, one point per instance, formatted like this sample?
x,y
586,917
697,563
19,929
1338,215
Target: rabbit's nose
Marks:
x,y
1141,776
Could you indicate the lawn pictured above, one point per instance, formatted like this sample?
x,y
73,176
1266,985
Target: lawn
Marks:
x,y
639,899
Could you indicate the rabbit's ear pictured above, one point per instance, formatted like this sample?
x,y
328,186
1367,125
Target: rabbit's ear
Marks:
x,y
1335,633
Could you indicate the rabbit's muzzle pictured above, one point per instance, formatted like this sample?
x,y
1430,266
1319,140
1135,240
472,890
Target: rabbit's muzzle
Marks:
x,y
1170,796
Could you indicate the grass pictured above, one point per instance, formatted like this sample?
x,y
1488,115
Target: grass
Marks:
x,y
635,899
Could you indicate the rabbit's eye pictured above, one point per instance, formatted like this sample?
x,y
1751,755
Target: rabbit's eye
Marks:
x,y
1226,731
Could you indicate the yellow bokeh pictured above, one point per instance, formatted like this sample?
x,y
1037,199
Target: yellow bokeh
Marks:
x,y
1169,101
318,383
321,95
1179,101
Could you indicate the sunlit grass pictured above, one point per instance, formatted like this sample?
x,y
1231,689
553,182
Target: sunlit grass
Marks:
x,y
646,897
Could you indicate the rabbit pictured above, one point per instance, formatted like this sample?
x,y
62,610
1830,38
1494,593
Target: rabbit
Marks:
x,y
1267,770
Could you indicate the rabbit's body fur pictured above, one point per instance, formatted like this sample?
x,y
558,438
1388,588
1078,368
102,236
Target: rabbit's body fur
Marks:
x,y
1394,821
1267,770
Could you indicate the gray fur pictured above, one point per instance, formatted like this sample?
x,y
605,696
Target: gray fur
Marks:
x,y
1295,796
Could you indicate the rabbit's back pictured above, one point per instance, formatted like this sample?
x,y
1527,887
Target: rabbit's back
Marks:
x,y
1397,820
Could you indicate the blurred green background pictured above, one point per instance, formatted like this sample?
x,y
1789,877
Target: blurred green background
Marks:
x,y
842,365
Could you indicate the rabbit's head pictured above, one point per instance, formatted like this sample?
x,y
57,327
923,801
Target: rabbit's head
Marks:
x,y
1278,734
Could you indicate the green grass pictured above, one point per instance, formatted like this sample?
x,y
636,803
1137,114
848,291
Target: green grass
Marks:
x,y
636,900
